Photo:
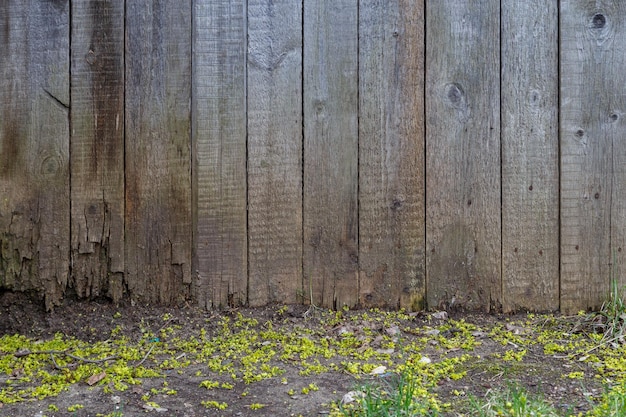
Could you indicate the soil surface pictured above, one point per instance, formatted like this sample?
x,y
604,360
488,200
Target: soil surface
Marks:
x,y
283,360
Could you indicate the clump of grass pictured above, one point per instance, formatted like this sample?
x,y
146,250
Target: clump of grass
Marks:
x,y
400,396
613,314
610,321
612,403
511,402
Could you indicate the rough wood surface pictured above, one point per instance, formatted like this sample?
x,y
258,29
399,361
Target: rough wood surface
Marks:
x,y
34,147
391,153
463,155
219,147
97,148
331,153
530,172
158,169
593,55
274,151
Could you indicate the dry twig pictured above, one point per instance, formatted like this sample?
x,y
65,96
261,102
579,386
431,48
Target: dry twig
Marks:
x,y
26,352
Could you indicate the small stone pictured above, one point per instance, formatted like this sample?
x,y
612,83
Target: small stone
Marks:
x,y
352,396
378,370
440,315
392,331
150,407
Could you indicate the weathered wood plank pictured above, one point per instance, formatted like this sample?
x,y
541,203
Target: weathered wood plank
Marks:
x,y
97,148
274,151
463,155
34,147
331,152
391,153
219,148
530,171
158,162
593,56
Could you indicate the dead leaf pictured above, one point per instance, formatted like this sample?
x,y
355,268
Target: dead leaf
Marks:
x,y
379,370
94,379
514,329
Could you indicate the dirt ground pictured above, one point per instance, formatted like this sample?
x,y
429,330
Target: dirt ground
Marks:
x,y
279,360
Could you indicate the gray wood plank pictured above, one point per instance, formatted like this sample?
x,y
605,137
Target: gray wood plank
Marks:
x,y
158,161
274,151
463,263
530,169
97,148
34,148
593,55
330,213
219,148
391,154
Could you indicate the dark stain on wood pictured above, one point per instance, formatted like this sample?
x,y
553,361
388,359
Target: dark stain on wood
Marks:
x,y
11,158
107,73
6,25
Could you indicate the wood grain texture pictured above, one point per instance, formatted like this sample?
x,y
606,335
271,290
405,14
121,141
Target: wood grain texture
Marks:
x,y
530,171
34,148
331,153
158,161
391,154
274,151
97,148
593,55
219,148
463,155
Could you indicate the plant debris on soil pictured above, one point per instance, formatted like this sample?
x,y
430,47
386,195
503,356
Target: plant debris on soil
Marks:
x,y
98,359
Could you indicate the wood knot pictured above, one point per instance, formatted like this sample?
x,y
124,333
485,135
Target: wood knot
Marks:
x,y
90,57
50,166
598,21
455,95
534,97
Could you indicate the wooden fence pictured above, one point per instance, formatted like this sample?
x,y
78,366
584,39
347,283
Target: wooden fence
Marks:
x,y
410,153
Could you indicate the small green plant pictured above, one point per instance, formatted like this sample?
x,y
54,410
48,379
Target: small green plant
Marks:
x,y
398,397
511,402
613,314
610,321
214,404
612,403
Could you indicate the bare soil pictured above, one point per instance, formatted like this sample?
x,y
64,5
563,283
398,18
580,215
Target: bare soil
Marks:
x,y
293,392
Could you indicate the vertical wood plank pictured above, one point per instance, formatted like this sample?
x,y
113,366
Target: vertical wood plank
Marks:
x,y
530,186
331,152
219,148
274,151
593,55
463,155
158,174
391,153
34,147
97,148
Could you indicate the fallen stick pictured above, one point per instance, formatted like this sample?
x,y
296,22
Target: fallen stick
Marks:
x,y
26,352
145,357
